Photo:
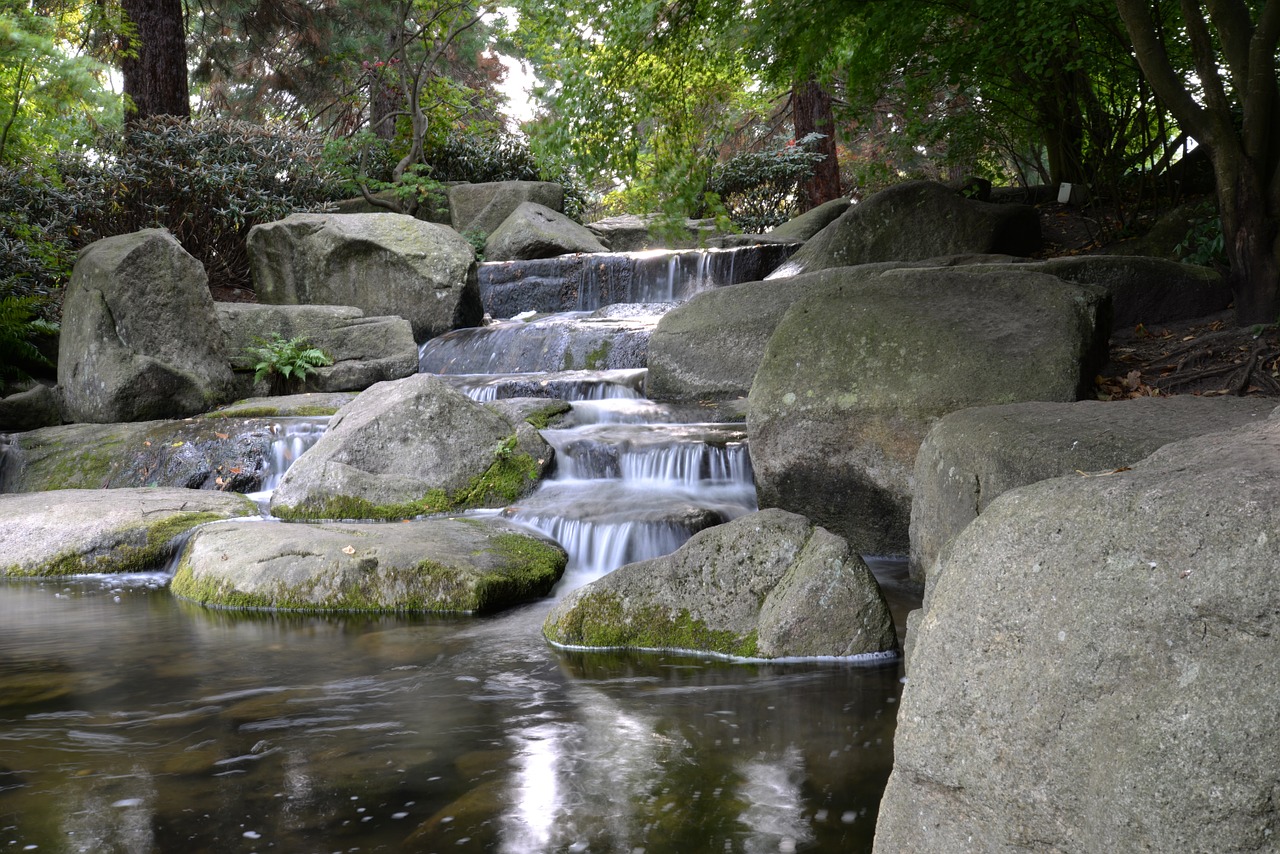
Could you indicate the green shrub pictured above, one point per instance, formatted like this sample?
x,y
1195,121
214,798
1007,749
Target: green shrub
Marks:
x,y
36,231
759,189
20,326
208,182
1203,243
285,363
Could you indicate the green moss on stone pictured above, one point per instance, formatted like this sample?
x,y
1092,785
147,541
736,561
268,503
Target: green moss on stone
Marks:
x,y
598,359
508,477
155,547
533,568
265,411
540,419
599,620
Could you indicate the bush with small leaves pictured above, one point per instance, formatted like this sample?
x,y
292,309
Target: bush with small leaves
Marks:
x,y
758,189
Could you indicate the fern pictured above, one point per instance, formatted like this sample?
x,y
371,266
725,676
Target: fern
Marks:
x,y
284,362
19,324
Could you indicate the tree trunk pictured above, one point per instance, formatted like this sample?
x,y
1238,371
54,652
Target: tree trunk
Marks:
x,y
811,113
155,79
1251,241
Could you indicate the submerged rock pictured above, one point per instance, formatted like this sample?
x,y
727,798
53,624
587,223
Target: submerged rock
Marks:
x,y
410,447
1096,666
76,531
767,585
464,565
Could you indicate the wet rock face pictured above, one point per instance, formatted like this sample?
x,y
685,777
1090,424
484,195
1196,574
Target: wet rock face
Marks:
x,y
472,565
227,455
766,585
140,338
383,264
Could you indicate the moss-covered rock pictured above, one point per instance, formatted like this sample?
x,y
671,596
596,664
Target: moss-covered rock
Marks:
x,y
76,531
456,565
411,447
767,585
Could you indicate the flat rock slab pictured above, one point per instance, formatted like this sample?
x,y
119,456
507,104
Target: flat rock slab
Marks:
x,y
973,456
458,565
767,585
76,531
1097,665
195,453
307,405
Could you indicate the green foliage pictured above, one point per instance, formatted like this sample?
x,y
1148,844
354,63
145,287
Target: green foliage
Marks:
x,y
1203,243
52,94
758,189
285,362
208,182
477,239
20,326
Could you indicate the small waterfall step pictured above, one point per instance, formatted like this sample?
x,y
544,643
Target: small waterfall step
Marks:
x,y
685,455
292,438
606,339
563,385
604,524
586,282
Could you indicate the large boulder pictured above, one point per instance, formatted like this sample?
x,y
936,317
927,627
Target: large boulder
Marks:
x,y
640,233
410,447
196,453
384,264
1096,667
140,338
536,231
918,220
973,456
77,531
461,565
809,223
364,350
483,207
34,407
766,585
1145,290
710,347
856,374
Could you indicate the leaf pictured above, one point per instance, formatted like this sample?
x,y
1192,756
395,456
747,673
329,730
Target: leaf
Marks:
x,y
349,550
223,435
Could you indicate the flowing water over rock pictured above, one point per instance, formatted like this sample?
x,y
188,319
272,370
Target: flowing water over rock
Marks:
x,y
130,721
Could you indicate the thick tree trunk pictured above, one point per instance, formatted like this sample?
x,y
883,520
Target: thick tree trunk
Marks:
x,y
155,80
1251,240
811,113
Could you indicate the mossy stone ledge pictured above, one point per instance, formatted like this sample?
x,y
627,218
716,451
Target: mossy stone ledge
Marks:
x,y
78,531
472,565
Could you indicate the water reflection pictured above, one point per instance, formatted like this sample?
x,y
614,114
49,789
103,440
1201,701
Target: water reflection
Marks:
x,y
132,722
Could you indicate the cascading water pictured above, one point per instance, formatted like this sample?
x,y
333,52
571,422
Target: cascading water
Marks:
x,y
634,479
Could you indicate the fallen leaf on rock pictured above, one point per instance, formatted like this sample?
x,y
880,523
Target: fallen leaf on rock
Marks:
x,y
223,435
349,550
1102,473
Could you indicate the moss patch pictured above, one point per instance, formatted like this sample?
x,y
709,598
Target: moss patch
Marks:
x,y
139,549
540,419
599,620
532,569
508,477
598,359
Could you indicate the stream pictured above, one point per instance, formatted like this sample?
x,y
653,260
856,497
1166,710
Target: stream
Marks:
x,y
131,721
